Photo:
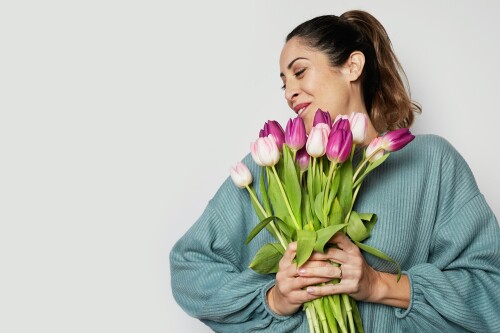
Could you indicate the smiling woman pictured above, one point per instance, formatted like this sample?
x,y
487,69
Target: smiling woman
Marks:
x,y
433,219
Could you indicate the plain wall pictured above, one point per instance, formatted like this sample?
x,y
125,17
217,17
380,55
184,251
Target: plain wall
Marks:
x,y
120,119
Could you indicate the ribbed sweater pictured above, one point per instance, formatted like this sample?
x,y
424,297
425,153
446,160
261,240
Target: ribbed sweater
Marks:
x,y
432,219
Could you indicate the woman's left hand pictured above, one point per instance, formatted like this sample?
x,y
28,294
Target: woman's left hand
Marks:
x,y
359,279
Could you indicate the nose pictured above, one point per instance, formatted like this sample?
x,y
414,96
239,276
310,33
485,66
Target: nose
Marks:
x,y
291,91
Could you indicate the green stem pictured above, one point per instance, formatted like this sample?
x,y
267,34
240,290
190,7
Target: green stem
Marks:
x,y
285,198
348,216
309,317
273,226
331,173
367,159
348,308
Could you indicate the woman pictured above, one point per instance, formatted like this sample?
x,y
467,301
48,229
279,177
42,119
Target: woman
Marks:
x,y
432,218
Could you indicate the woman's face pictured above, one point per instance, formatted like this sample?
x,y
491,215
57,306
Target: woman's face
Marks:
x,y
311,83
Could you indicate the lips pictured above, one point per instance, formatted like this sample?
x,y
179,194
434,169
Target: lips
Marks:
x,y
300,108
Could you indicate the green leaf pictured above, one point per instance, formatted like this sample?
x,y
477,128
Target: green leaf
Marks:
x,y
263,192
333,191
356,229
305,245
277,202
345,187
324,235
285,229
292,184
259,227
267,259
369,221
336,214
379,254
318,209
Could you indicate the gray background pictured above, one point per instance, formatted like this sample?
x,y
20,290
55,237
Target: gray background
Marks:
x,y
120,119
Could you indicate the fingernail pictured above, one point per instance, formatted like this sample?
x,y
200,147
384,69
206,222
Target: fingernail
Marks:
x,y
301,271
310,290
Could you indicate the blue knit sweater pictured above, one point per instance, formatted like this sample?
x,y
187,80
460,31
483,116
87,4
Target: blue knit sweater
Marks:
x,y
432,219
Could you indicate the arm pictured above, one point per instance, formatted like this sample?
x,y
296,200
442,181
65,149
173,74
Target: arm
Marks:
x,y
458,288
210,278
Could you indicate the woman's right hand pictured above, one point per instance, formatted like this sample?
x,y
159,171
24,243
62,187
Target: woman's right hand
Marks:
x,y
288,294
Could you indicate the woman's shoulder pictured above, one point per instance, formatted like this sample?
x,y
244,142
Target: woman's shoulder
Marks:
x,y
432,148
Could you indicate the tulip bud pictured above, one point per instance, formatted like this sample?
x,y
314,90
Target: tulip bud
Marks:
x,y
342,123
274,128
264,151
303,159
317,140
322,117
374,145
339,146
359,127
396,140
295,134
240,175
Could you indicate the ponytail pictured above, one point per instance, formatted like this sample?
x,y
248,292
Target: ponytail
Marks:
x,y
391,106
384,84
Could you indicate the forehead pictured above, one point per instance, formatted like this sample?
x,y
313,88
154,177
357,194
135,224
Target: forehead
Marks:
x,y
296,48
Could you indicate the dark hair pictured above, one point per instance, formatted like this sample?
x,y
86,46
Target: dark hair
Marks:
x,y
384,84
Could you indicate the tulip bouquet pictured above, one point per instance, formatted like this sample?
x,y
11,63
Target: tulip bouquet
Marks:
x,y
308,187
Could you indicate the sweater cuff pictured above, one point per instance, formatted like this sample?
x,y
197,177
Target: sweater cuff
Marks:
x,y
263,295
402,313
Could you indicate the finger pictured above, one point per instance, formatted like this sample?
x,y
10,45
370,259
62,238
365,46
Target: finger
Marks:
x,y
326,271
343,242
290,252
333,254
329,289
302,282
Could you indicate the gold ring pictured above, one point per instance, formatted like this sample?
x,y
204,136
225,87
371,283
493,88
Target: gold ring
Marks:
x,y
340,277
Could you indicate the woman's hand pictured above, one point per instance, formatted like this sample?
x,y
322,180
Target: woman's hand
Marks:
x,y
289,292
358,279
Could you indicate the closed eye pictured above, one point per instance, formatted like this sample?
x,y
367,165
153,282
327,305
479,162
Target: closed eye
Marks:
x,y
297,74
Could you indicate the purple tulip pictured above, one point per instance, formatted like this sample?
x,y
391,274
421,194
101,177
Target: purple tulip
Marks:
x,y
274,128
342,123
265,151
295,134
240,175
303,159
374,146
397,139
322,117
339,146
317,140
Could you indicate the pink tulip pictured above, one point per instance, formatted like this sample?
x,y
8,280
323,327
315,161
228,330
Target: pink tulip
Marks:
x,y
339,146
303,159
274,128
342,123
397,139
374,145
265,151
317,140
322,117
359,127
240,175
295,134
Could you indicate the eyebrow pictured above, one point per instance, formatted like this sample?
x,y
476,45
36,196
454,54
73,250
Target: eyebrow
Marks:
x,y
291,64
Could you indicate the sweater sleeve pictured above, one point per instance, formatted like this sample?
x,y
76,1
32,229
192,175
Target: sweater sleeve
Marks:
x,y
457,289
210,277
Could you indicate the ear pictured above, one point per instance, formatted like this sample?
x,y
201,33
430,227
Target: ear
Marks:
x,y
354,65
